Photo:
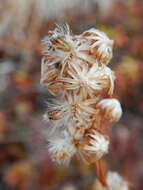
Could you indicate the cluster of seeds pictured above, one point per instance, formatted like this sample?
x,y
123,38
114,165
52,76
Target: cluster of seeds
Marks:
x,y
75,72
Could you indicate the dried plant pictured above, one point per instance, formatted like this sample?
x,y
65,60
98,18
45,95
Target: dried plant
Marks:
x,y
75,71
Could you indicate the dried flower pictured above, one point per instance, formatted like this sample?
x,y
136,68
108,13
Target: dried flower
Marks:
x,y
87,81
94,145
100,46
61,148
71,106
74,70
60,46
112,108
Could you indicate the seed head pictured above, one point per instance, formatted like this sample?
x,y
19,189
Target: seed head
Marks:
x,y
74,70
61,148
112,108
94,145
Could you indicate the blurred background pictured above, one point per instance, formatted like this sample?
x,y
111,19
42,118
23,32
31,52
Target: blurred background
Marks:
x,y
24,160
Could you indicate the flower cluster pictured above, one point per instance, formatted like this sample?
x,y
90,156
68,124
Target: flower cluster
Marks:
x,y
74,70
